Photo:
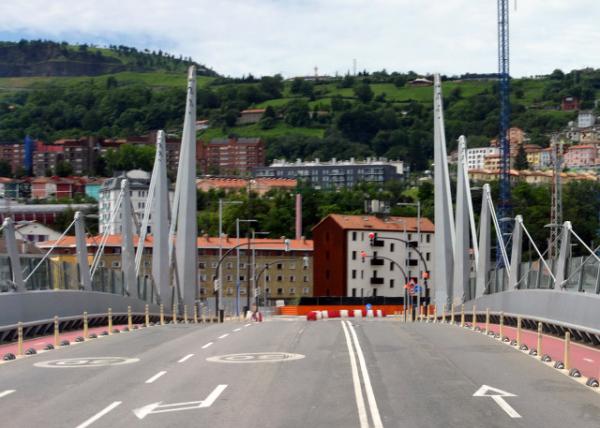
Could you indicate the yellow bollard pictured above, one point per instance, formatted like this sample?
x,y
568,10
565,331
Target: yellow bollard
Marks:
x,y
19,339
501,325
567,357
474,319
147,315
129,320
185,319
444,314
518,332
56,331
462,315
174,314
195,314
110,329
452,313
487,320
539,340
162,314
85,325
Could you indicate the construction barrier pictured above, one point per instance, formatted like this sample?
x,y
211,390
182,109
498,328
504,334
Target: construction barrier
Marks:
x,y
345,313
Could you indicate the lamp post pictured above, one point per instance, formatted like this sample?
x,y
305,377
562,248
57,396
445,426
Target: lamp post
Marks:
x,y
254,283
219,302
237,278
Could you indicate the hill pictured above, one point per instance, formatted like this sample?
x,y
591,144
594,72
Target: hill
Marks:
x,y
47,58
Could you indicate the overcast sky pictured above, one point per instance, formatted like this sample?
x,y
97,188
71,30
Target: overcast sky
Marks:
x,y
291,37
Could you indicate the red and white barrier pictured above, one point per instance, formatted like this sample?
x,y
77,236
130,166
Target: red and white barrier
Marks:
x,y
345,313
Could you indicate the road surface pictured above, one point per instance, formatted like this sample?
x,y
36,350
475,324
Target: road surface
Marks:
x,y
292,373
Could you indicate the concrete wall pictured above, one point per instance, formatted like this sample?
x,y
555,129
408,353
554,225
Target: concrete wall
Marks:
x,y
577,309
41,305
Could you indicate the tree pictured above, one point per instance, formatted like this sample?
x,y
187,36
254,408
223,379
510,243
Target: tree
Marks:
x,y
363,92
521,159
297,113
64,169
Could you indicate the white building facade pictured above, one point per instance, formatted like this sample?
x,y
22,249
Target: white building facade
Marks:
x,y
476,156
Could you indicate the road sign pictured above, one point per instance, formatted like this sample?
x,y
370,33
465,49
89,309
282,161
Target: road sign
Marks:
x,y
417,288
158,407
369,306
498,396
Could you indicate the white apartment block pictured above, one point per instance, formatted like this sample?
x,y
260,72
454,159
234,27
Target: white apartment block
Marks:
x,y
476,156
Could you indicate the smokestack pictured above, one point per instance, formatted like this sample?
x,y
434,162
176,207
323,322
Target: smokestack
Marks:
x,y
298,216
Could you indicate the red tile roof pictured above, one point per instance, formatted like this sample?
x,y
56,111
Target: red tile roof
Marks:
x,y
369,222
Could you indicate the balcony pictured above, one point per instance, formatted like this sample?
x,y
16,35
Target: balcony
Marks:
x,y
377,243
376,262
376,281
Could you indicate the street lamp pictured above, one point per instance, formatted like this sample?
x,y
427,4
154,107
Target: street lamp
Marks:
x,y
219,302
254,286
237,271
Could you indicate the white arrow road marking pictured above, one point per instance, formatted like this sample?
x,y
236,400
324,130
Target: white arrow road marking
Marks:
x,y
7,392
223,336
156,376
158,407
184,359
498,396
99,415
207,345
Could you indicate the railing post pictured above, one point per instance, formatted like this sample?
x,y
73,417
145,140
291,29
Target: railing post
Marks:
x,y
444,314
129,320
147,315
518,332
195,313
85,325
174,314
501,325
539,339
110,329
567,357
56,331
185,318
452,313
162,314
474,318
487,320
462,315
19,338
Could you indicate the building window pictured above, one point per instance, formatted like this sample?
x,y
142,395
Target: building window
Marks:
x,y
229,278
292,266
279,278
229,265
391,266
353,273
116,264
292,291
305,290
305,279
267,290
391,283
279,291
242,278
354,236
279,266
392,247
229,291
374,292
354,292
427,256
362,274
214,264
292,278
267,278
353,255
201,265
428,238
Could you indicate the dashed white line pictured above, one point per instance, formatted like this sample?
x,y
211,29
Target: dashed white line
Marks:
x,y
156,376
207,345
99,415
184,359
7,392
223,336
247,325
589,360
237,329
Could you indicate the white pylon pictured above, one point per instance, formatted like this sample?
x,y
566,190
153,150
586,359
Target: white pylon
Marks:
x,y
444,223
485,243
10,240
516,253
460,286
160,223
85,280
127,249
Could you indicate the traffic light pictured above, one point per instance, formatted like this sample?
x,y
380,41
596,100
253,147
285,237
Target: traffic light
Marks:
x,y
372,238
363,255
425,275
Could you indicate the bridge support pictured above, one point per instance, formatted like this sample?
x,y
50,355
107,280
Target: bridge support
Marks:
x,y
460,287
85,279
516,254
485,239
127,250
563,255
13,254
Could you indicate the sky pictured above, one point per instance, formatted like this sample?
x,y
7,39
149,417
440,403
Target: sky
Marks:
x,y
292,37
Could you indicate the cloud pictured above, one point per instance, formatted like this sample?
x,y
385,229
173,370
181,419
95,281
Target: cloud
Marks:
x,y
291,37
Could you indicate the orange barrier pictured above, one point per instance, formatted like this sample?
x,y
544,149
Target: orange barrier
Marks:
x,y
303,310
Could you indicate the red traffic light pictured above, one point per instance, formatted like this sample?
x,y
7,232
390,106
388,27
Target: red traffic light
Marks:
x,y
425,275
372,235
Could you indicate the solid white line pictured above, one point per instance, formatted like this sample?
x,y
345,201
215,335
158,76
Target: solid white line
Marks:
x,y
360,402
99,415
156,376
7,392
223,336
505,406
184,359
237,329
207,345
377,423
212,397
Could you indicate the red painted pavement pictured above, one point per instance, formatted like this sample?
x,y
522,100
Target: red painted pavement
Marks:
x,y
39,342
584,358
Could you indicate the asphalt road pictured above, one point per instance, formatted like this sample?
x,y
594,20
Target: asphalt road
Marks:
x,y
364,373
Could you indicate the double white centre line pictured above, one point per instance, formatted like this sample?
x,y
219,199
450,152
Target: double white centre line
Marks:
x,y
354,345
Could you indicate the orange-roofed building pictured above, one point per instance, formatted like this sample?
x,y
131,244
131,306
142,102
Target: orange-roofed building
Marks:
x,y
258,185
341,270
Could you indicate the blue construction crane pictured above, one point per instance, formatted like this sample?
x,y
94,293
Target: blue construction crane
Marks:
x,y
504,204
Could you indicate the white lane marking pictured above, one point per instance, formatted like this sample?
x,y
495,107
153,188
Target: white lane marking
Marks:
x,y
589,360
207,345
223,336
377,423
247,325
99,415
237,329
498,396
184,359
360,402
7,392
156,376
158,407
